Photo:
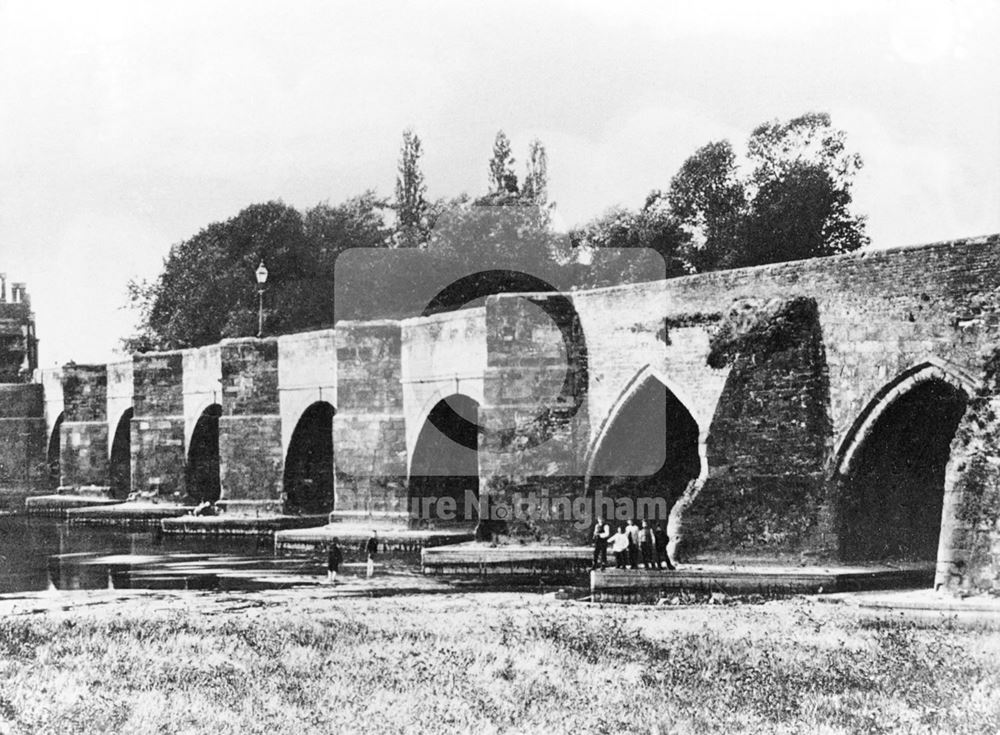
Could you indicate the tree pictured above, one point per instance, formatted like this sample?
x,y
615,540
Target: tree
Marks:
x,y
477,236
611,241
503,180
802,181
207,292
411,205
794,204
708,198
536,178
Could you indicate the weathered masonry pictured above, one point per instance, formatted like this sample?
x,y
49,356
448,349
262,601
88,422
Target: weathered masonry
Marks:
x,y
845,408
22,431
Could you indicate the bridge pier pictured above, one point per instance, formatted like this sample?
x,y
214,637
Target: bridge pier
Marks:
x,y
158,457
83,457
369,428
250,453
22,437
969,547
535,418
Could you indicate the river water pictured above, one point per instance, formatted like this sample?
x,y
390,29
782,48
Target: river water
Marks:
x,y
42,553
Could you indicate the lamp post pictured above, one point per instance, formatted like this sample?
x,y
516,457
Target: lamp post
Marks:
x,y
261,280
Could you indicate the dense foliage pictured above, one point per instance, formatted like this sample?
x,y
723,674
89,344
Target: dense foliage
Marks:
x,y
207,290
793,203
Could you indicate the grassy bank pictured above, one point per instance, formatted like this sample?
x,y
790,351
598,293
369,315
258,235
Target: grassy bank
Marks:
x,y
488,663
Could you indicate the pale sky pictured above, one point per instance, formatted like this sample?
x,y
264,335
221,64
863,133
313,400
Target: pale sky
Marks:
x,y
126,127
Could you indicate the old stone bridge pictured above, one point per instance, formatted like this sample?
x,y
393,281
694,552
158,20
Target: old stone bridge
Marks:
x,y
852,416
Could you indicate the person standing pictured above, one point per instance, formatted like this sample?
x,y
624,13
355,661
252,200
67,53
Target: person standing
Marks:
x,y
601,534
371,549
633,544
334,557
647,540
619,545
661,549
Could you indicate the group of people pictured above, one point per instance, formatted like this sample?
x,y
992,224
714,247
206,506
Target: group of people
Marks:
x,y
631,542
335,557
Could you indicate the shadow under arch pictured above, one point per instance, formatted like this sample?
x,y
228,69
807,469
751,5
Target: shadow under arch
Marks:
x,y
649,451
308,477
890,469
202,472
444,465
52,452
120,461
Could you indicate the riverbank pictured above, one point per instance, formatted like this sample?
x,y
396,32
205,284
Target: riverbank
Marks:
x,y
331,659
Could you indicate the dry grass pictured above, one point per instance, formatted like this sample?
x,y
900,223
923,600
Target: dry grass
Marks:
x,y
491,663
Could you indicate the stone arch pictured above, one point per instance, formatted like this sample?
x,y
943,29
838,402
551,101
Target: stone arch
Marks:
x,y
308,476
628,393
471,388
52,452
649,446
931,369
444,463
202,478
890,470
120,459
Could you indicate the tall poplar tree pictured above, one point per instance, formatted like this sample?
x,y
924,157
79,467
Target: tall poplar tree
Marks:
x,y
411,203
536,179
503,180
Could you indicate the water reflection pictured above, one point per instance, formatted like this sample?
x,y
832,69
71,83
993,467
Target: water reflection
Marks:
x,y
40,553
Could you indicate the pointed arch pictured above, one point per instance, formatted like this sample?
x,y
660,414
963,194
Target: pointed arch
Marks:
x,y
649,452
891,467
471,389
308,477
926,370
628,394
120,461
